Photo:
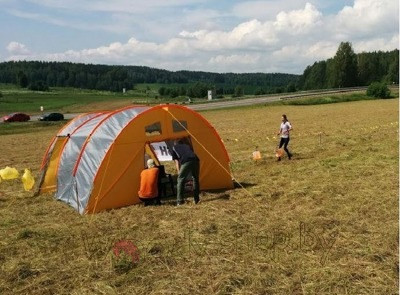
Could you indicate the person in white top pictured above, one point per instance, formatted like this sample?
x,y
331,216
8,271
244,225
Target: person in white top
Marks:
x,y
284,131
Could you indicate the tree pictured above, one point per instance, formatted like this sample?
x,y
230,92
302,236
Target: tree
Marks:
x,y
51,79
291,87
314,77
198,90
372,66
71,80
38,86
161,91
61,77
182,91
345,66
393,73
238,91
259,91
81,80
219,91
22,79
173,92
378,90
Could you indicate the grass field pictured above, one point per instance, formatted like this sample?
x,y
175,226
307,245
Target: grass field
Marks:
x,y
58,99
324,99
71,100
325,222
16,99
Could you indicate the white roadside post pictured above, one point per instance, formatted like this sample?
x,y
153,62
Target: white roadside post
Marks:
x,y
209,94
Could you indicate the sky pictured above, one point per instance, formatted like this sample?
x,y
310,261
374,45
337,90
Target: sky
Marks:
x,y
219,36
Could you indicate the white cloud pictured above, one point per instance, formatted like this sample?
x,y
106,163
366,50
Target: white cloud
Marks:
x,y
193,35
41,17
256,35
321,50
237,62
286,52
265,9
288,42
251,35
125,6
15,48
148,19
299,21
368,17
377,44
234,59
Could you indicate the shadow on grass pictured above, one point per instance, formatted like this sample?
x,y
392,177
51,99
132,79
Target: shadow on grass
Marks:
x,y
171,201
222,194
243,184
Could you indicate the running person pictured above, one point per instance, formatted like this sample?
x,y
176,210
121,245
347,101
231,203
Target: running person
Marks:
x,y
284,133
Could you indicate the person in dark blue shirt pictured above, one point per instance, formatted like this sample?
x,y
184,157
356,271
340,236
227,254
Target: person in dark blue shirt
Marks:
x,y
187,163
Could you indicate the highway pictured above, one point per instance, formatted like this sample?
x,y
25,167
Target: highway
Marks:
x,y
267,99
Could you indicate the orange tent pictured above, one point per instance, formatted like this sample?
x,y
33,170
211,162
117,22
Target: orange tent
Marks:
x,y
94,163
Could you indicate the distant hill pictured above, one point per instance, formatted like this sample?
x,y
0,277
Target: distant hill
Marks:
x,y
345,69
115,78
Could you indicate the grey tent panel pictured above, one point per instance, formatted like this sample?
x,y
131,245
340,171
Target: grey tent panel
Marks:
x,y
70,154
75,123
96,149
70,128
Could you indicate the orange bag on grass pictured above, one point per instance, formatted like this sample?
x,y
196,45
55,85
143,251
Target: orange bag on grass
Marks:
x,y
279,153
256,155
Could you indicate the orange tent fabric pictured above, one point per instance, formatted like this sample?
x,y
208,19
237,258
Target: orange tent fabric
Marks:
x,y
108,154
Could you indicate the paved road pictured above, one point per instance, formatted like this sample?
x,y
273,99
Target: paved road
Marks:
x,y
245,102
66,117
266,99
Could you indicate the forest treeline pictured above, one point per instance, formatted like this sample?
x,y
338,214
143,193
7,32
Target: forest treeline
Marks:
x,y
115,78
345,69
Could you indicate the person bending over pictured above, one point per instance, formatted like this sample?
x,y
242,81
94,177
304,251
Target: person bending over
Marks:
x,y
187,163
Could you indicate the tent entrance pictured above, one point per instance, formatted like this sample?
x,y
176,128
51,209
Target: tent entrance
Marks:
x,y
160,152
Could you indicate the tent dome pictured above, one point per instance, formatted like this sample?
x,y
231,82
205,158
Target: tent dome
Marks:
x,y
94,162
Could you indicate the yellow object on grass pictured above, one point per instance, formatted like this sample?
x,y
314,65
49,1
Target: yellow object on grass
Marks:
x,y
28,180
9,173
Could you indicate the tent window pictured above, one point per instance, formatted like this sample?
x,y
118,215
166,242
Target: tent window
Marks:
x,y
178,126
153,129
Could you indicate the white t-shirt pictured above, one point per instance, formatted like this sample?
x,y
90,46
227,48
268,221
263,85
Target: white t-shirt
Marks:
x,y
285,129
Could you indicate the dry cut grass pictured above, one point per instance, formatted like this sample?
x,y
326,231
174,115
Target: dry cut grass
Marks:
x,y
323,223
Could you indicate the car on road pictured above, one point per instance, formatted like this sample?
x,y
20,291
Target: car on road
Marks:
x,y
51,117
16,117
